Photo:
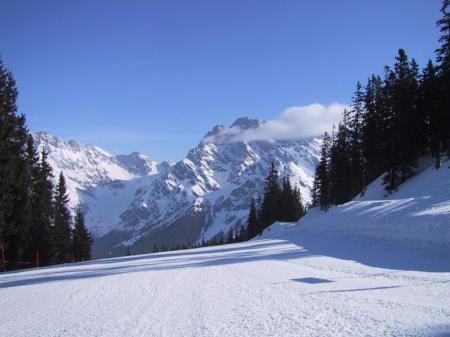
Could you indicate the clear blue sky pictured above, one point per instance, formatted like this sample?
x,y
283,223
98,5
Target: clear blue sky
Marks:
x,y
154,76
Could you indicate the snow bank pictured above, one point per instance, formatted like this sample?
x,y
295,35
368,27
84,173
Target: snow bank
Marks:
x,y
418,214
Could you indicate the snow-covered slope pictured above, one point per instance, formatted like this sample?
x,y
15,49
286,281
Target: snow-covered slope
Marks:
x,y
283,284
200,196
418,213
87,166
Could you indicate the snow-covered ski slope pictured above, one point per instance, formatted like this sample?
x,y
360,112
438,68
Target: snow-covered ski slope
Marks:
x,y
418,214
332,274
278,285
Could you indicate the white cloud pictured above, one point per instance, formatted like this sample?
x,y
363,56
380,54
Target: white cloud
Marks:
x,y
294,122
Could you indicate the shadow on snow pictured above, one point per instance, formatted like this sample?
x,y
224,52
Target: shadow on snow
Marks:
x,y
376,255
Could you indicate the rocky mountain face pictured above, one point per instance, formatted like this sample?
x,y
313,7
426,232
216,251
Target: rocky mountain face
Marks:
x,y
88,166
134,203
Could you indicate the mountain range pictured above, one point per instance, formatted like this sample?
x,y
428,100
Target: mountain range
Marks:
x,y
132,203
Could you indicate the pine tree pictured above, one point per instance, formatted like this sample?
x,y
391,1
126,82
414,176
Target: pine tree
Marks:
x,y
443,52
353,125
316,189
285,201
32,174
230,235
443,71
375,137
429,107
42,212
269,208
390,179
243,234
322,175
82,239
14,172
299,207
62,223
253,227
408,121
341,176
290,204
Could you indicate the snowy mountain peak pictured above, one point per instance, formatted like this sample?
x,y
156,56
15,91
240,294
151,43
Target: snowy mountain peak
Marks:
x,y
47,141
137,163
221,135
87,166
216,130
246,123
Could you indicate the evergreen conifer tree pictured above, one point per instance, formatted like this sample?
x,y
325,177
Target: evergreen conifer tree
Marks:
x,y
253,227
285,202
243,234
374,135
408,123
341,176
429,107
230,235
290,203
322,178
62,223
82,239
443,71
270,205
351,129
14,171
42,212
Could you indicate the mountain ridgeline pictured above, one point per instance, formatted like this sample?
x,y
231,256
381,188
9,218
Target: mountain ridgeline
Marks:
x,y
168,204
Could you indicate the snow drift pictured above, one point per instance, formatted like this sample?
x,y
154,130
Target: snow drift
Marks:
x,y
418,214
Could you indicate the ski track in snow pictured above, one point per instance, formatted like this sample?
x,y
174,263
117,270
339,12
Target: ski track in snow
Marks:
x,y
291,285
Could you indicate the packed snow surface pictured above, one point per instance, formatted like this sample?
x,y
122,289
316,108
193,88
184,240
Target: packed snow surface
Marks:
x,y
418,214
284,283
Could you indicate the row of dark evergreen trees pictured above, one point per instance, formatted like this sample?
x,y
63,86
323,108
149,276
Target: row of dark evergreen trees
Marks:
x,y
233,235
35,221
394,119
279,203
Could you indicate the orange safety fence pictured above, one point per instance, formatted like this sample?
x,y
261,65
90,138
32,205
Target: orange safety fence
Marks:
x,y
4,261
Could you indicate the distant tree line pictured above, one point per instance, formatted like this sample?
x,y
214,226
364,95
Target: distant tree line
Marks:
x,y
233,235
36,225
394,119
